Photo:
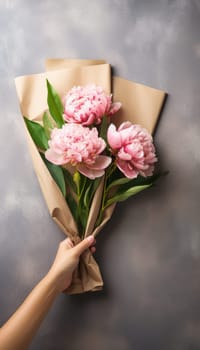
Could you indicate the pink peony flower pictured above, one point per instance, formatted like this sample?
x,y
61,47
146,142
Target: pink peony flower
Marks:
x,y
134,150
88,104
79,146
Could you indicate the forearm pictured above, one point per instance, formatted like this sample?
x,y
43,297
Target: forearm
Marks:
x,y
19,330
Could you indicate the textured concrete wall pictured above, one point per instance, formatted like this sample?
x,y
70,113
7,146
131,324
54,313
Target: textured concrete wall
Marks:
x,y
150,251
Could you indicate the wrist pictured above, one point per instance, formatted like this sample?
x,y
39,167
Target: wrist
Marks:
x,y
51,282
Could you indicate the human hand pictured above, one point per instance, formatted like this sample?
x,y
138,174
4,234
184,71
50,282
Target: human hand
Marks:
x,y
66,260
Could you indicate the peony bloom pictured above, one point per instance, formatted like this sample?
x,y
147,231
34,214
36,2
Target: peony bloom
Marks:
x,y
134,150
79,146
87,105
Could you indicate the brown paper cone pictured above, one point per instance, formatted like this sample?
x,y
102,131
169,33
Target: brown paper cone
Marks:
x,y
141,104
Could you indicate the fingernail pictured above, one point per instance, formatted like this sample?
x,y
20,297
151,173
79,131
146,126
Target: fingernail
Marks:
x,y
90,238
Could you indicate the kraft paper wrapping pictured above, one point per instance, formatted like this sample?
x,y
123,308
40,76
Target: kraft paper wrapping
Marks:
x,y
140,104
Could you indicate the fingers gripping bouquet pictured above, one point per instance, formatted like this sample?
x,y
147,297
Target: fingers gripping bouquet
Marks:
x,y
84,162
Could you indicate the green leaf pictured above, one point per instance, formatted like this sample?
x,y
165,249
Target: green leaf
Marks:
x,y
95,184
37,133
122,196
104,127
82,184
121,181
83,216
48,124
72,206
69,180
140,181
86,199
55,105
56,172
115,175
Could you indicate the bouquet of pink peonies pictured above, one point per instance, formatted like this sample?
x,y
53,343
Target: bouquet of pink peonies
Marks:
x,y
92,162
79,146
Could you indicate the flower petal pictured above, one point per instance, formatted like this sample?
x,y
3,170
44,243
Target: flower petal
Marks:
x,y
113,137
127,169
88,172
114,108
101,162
124,155
125,125
54,157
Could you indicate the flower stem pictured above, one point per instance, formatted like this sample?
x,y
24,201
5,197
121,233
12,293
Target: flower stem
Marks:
x,y
108,173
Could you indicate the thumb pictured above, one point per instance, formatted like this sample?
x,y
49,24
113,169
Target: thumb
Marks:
x,y
83,245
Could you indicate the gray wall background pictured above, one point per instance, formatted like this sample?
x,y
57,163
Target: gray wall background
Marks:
x,y
149,252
